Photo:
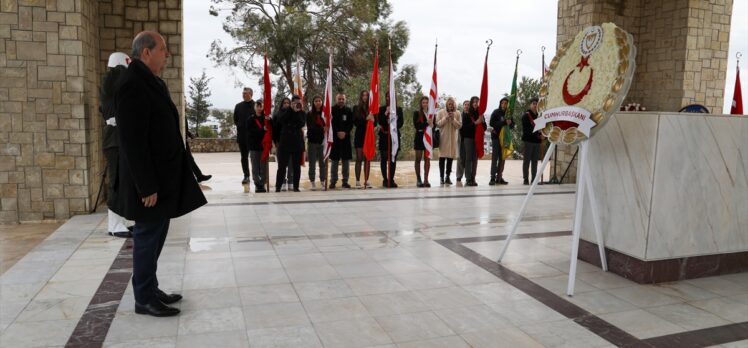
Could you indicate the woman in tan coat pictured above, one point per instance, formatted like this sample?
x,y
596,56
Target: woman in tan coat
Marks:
x,y
449,122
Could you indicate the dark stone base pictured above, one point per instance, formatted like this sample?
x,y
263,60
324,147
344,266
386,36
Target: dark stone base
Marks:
x,y
660,271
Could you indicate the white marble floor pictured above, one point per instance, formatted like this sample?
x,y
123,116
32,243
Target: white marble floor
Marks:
x,y
353,269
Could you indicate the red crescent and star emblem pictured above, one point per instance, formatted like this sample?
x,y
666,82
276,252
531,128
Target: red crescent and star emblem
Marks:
x,y
571,99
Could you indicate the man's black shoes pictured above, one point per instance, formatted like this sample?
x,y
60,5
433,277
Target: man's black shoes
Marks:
x,y
156,308
123,234
346,186
167,298
201,178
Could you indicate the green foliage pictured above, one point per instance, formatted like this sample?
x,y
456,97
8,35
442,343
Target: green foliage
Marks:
x,y
225,120
351,29
199,109
527,89
206,132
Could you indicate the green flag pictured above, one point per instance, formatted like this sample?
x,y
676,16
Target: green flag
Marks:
x,y
506,134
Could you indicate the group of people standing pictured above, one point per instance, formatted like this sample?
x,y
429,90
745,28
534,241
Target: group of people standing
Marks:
x,y
454,134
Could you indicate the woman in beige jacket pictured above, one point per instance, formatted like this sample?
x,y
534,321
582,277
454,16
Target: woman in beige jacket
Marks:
x,y
449,122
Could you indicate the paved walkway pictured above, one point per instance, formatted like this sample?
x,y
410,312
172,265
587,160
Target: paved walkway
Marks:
x,y
358,268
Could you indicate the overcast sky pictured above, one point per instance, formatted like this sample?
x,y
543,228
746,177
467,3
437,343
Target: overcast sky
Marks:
x,y
461,30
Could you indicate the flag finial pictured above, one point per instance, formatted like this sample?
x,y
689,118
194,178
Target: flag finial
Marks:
x,y
738,55
519,52
489,42
542,49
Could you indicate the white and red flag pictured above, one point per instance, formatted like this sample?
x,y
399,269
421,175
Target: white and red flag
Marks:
x,y
327,112
393,111
433,100
737,96
297,85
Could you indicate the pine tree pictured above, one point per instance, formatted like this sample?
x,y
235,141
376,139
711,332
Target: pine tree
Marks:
x,y
199,109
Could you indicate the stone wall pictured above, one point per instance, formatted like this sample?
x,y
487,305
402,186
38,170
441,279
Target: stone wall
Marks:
x,y
53,54
682,51
213,145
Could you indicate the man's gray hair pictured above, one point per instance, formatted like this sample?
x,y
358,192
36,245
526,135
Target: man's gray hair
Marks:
x,y
142,41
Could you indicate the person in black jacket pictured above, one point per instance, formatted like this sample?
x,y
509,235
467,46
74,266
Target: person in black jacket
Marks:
x,y
284,106
315,134
531,141
242,112
360,118
291,143
421,122
255,134
117,225
154,182
499,119
469,120
342,124
385,142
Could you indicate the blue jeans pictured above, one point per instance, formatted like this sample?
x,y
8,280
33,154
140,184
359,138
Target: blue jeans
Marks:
x,y
148,240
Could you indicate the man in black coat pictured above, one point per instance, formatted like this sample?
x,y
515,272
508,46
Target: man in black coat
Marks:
x,y
385,142
499,119
342,124
242,112
291,143
155,182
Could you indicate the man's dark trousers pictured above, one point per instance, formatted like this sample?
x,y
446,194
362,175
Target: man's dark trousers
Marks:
x,y
149,238
244,150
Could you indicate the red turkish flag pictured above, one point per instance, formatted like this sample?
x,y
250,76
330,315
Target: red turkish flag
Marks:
x,y
267,140
479,130
369,136
737,97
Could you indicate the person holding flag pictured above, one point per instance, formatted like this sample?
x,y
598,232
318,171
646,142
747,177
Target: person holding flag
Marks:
x,y
315,134
532,141
501,125
342,124
388,161
267,139
361,118
473,124
255,135
291,142
421,122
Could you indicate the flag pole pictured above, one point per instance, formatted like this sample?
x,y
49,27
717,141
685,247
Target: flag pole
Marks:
x,y
542,78
389,141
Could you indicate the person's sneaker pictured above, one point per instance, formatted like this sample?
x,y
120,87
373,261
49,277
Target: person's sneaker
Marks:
x,y
345,185
121,234
447,181
472,184
332,186
245,180
502,182
358,184
525,182
284,187
491,183
367,185
314,186
296,189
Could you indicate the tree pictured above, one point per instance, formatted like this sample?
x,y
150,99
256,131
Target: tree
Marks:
x,y
351,29
526,90
225,120
206,132
198,109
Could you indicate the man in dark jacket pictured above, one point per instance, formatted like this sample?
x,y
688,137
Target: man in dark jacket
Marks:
x,y
155,182
385,142
342,124
531,141
242,112
291,143
499,119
